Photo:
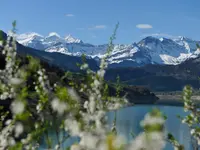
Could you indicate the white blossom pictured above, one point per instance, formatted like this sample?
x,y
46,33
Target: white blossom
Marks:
x,y
119,141
15,81
58,106
149,120
84,66
75,147
57,147
1,43
11,141
92,106
18,129
38,107
97,83
17,107
88,140
40,79
8,122
183,121
101,73
154,142
73,94
192,131
85,105
36,125
72,126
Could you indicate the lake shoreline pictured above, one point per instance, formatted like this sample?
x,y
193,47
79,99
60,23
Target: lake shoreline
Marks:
x,y
176,97
174,100
166,100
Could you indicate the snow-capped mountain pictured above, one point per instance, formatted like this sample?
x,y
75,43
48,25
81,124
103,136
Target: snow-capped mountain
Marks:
x,y
55,43
150,50
168,51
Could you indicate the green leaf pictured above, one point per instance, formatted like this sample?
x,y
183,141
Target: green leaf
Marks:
x,y
132,134
17,146
23,117
165,117
170,137
14,23
83,57
1,35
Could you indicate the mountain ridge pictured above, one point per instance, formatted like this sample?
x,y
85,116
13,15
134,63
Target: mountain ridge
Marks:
x,y
149,50
65,62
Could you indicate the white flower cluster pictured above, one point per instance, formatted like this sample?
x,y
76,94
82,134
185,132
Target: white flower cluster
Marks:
x,y
193,118
151,120
155,142
10,79
42,81
153,139
6,138
73,94
17,107
41,87
28,144
115,103
10,52
18,129
58,106
9,76
72,126
84,66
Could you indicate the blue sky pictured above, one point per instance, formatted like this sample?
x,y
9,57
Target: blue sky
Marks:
x,y
94,20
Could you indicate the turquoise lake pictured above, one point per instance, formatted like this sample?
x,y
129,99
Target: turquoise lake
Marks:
x,y
128,120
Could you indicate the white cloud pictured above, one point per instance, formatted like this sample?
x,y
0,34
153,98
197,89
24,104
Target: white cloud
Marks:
x,y
144,26
69,15
98,27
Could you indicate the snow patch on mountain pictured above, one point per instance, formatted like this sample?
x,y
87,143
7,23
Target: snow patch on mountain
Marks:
x,y
29,38
71,39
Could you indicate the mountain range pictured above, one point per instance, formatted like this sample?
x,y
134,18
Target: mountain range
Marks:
x,y
150,50
154,76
